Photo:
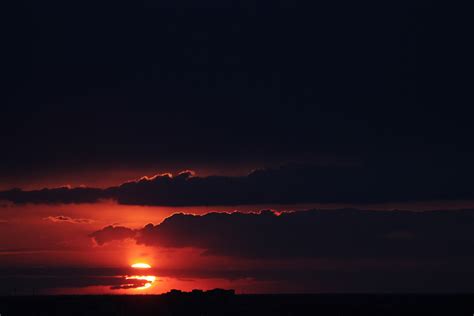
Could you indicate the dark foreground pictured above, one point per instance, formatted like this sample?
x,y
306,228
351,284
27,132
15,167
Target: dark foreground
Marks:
x,y
448,305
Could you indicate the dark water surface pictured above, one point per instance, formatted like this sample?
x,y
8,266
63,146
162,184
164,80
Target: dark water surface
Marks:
x,y
202,304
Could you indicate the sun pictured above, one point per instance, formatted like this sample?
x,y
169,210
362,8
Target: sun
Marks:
x,y
148,280
141,265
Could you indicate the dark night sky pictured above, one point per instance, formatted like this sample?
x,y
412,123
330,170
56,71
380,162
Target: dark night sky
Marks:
x,y
186,83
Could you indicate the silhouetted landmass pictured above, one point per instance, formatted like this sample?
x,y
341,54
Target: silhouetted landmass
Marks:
x,y
222,293
224,302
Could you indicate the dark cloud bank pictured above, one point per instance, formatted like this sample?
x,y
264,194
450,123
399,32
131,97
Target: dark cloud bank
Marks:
x,y
341,234
33,280
361,251
380,251
285,185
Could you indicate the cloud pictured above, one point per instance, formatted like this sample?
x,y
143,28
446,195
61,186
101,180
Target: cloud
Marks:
x,y
111,233
288,184
345,233
67,219
64,195
26,280
388,277
130,284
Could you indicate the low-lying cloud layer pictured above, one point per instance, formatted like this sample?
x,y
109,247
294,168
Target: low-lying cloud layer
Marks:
x,y
285,185
345,233
387,277
111,233
67,219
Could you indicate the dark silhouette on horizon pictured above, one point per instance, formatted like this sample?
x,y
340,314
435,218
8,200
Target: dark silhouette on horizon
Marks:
x,y
224,302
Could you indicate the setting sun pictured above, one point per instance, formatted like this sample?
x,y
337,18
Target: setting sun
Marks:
x,y
141,265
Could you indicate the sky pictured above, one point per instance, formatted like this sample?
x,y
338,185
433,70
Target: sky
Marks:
x,y
284,147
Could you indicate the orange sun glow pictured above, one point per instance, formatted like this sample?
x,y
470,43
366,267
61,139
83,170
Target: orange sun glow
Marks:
x,y
141,265
150,279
